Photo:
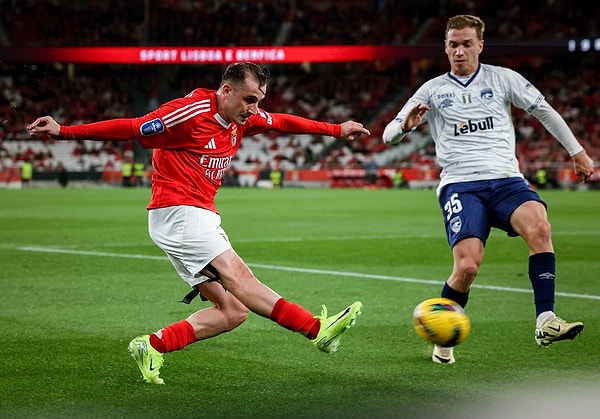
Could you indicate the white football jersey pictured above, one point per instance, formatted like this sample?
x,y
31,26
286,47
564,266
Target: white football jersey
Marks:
x,y
471,124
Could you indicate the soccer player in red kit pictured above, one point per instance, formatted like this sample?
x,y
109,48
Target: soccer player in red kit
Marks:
x,y
194,140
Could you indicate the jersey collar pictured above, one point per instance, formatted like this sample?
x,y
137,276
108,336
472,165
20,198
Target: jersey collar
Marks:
x,y
216,115
221,121
453,77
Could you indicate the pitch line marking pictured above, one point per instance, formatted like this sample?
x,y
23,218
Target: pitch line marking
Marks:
x,y
399,236
306,271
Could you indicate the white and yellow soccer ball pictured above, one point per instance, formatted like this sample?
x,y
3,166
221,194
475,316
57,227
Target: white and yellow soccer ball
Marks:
x,y
441,321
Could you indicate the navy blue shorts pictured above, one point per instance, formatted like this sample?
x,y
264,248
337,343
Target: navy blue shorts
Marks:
x,y
471,209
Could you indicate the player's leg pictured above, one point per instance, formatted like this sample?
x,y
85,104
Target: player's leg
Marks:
x,y
529,220
190,237
467,229
239,280
225,314
464,206
468,255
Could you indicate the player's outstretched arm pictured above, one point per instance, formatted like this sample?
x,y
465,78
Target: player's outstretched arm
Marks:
x,y
120,129
293,124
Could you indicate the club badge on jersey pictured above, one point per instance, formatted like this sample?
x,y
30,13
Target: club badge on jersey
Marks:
x,y
234,136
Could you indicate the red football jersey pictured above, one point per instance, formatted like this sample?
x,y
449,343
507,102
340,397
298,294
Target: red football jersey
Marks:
x,y
193,145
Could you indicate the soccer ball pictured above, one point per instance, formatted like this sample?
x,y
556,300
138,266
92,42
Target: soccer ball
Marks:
x,y
441,321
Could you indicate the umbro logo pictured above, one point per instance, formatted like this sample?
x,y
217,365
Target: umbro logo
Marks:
x,y
211,144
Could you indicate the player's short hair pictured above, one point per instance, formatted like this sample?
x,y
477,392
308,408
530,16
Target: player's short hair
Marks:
x,y
236,73
466,21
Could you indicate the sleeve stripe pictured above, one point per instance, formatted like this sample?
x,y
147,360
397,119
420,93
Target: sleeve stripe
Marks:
x,y
182,114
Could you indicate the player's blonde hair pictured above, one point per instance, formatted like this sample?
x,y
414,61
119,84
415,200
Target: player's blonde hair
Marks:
x,y
466,21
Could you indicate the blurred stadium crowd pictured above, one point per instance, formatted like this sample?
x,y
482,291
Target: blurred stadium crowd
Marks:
x,y
370,92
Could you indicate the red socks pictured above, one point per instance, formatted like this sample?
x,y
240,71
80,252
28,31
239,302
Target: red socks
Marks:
x,y
289,315
174,337
295,318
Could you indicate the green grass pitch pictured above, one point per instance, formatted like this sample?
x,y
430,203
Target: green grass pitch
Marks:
x,y
80,277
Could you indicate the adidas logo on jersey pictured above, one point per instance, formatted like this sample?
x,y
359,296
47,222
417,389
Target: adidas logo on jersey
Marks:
x,y
473,126
211,144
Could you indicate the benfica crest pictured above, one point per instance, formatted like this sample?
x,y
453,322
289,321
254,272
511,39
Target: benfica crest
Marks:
x,y
234,136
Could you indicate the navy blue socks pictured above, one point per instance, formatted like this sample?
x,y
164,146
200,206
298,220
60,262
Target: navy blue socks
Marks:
x,y
542,270
460,297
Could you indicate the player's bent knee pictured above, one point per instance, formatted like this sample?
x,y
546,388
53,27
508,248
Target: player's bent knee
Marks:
x,y
468,269
235,311
538,234
235,314
543,230
239,316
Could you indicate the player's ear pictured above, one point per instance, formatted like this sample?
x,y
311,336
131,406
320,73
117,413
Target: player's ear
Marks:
x,y
226,89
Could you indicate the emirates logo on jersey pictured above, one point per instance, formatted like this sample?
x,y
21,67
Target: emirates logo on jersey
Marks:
x,y
214,167
212,162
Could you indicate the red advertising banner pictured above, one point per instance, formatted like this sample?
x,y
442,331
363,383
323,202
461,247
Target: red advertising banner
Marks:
x,y
270,54
213,55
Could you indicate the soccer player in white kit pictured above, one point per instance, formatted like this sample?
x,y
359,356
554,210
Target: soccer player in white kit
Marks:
x,y
194,140
468,110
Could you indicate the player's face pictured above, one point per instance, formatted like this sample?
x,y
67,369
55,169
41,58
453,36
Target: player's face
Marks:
x,y
241,101
463,48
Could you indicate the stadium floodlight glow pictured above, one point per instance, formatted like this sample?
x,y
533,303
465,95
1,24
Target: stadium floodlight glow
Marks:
x,y
585,45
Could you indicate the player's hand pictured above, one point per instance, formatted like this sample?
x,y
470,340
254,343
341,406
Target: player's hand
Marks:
x,y
414,117
352,130
583,166
44,125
